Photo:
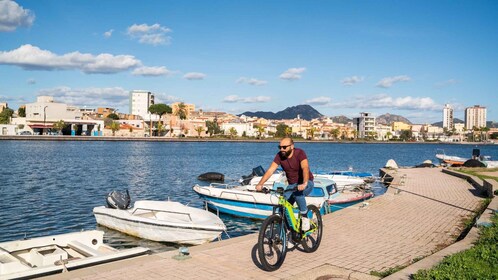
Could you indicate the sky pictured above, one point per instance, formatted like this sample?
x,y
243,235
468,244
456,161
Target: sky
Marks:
x,y
406,58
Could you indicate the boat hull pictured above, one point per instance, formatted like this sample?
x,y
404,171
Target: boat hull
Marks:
x,y
244,203
161,231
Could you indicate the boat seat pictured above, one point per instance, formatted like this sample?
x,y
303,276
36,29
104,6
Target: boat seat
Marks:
x,y
83,249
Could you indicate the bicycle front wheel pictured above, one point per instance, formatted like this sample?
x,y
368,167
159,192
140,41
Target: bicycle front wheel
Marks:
x,y
313,237
272,244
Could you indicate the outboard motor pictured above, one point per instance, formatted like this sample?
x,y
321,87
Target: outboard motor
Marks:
x,y
257,171
118,200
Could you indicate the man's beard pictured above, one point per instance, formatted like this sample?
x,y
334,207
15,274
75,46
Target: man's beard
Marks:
x,y
285,154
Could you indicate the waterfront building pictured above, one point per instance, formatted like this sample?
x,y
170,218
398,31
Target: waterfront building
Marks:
x,y
459,128
383,132
42,114
399,126
448,117
475,117
365,125
240,127
3,105
140,101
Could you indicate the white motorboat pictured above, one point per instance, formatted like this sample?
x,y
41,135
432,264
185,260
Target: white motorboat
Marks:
x,y
244,201
342,181
42,256
164,221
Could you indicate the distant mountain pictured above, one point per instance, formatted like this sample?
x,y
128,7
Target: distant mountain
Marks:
x,y
440,124
341,119
492,124
305,112
388,119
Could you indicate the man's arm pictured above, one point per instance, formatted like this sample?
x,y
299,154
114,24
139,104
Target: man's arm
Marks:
x,y
267,176
306,174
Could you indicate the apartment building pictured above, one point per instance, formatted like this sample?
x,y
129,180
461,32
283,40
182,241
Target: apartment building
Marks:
x,y
475,117
364,125
189,108
140,101
448,117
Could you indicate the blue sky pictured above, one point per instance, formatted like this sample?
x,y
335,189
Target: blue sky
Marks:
x,y
341,57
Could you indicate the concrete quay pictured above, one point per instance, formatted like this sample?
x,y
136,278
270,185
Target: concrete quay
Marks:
x,y
422,213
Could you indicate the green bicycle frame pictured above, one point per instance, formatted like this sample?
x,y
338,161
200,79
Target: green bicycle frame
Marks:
x,y
289,213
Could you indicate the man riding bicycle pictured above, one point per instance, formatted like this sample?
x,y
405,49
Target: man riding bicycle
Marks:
x,y
295,164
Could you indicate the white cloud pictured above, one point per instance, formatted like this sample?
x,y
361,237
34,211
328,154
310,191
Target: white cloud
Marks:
x,y
446,83
113,97
251,81
237,99
194,76
33,58
389,81
349,81
150,34
12,16
31,81
108,33
322,100
386,101
151,71
292,74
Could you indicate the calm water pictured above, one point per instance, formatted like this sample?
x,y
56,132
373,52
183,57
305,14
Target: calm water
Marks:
x,y
51,187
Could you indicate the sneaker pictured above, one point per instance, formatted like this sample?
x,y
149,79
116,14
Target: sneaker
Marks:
x,y
305,224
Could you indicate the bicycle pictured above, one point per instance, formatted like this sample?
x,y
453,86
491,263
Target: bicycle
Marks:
x,y
283,225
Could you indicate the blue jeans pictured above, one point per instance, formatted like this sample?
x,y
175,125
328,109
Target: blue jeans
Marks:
x,y
298,196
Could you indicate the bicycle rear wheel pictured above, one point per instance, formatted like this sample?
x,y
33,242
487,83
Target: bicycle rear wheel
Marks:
x,y
314,236
272,244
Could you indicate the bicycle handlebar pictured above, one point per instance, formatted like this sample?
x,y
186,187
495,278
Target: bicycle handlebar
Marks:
x,y
278,190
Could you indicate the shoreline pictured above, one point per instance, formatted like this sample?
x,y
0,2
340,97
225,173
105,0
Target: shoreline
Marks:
x,y
165,139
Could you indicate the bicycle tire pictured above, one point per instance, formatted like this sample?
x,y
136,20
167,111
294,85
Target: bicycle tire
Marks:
x,y
272,247
311,242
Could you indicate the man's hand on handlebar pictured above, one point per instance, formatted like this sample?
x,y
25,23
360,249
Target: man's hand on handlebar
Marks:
x,y
301,187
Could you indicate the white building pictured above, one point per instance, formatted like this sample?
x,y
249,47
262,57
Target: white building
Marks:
x,y
365,124
140,101
475,117
241,127
447,117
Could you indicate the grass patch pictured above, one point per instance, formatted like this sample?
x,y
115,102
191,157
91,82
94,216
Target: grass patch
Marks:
x,y
478,262
476,171
387,272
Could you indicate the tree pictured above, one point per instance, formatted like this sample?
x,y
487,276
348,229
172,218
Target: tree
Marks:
x,y
160,128
113,116
282,130
260,131
232,132
406,135
182,111
213,127
5,115
335,133
288,131
159,109
114,127
21,112
199,129
389,135
59,126
311,132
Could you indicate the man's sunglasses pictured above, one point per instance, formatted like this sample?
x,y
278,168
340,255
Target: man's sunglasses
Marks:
x,y
283,147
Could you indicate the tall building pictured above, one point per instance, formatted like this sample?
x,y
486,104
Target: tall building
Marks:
x,y
140,101
448,117
365,124
475,117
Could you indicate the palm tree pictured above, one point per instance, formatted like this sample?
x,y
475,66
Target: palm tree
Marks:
x,y
311,131
199,129
288,131
232,132
335,133
260,131
182,111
